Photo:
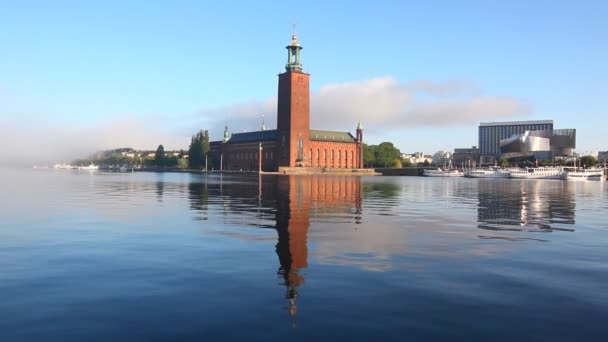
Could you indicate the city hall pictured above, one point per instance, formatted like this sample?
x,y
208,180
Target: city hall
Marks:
x,y
293,144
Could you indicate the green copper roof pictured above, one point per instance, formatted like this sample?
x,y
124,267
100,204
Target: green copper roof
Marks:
x,y
359,126
319,135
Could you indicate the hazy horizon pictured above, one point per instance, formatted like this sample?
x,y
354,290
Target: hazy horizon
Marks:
x,y
81,77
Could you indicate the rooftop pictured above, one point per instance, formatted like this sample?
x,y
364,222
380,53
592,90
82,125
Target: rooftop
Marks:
x,y
266,135
320,135
517,123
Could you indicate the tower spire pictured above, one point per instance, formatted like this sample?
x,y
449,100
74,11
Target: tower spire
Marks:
x,y
293,54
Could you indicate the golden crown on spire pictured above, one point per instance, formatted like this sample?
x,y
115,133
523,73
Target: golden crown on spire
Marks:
x,y
294,40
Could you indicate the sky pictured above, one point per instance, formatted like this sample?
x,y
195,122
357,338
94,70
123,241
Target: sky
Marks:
x,y
79,76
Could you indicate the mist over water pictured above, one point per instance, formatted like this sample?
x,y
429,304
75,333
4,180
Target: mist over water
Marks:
x,y
170,256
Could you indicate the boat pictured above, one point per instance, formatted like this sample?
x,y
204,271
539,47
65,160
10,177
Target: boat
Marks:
x,y
538,173
488,173
439,172
62,166
90,167
583,175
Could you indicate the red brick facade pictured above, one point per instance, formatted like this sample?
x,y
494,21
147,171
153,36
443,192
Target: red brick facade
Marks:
x,y
291,144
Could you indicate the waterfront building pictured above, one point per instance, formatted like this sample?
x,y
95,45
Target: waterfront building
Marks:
x,y
602,156
491,133
441,158
292,143
466,156
417,157
524,138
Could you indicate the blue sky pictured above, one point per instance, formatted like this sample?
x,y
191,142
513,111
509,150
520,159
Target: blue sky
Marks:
x,y
141,73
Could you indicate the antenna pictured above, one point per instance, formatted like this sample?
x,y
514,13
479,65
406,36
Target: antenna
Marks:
x,y
293,27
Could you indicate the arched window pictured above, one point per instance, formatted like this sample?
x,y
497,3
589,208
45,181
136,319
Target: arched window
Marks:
x,y
339,158
345,158
300,149
318,157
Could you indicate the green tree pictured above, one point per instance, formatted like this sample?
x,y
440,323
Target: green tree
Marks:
x,y
159,156
406,162
503,162
369,157
199,147
386,154
588,161
182,163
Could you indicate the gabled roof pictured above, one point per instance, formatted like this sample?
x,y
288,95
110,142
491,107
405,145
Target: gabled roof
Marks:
x,y
319,135
253,136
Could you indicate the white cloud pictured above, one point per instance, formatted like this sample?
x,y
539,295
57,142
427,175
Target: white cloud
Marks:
x,y
383,105
380,103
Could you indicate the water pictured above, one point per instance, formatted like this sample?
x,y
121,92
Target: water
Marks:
x,y
162,256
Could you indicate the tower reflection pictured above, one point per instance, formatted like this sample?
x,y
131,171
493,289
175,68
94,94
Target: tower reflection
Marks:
x,y
299,198
293,200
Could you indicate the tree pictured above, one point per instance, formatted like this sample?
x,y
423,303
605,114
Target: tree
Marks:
x,y
369,157
159,156
588,161
199,147
386,154
182,163
503,162
406,162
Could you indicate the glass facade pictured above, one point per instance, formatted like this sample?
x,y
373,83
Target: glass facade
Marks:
x,y
491,133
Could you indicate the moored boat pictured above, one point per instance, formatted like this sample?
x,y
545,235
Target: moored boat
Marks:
x,y
439,172
583,175
90,167
538,173
488,173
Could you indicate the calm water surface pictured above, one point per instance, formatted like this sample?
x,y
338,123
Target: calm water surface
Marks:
x,y
93,256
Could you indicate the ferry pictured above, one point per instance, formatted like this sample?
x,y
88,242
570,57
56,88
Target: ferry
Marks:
x,y
442,173
62,166
488,173
538,173
583,175
90,167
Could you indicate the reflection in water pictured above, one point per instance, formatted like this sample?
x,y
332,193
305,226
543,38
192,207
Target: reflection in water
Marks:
x,y
297,198
160,187
293,200
537,206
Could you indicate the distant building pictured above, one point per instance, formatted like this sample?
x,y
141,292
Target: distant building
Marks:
x,y
417,158
442,158
491,133
602,156
524,138
466,156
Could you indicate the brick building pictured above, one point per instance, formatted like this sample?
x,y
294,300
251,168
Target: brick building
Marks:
x,y
293,143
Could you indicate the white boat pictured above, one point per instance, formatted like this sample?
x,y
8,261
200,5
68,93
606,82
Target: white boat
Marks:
x,y
538,173
442,173
62,166
90,167
488,173
583,175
